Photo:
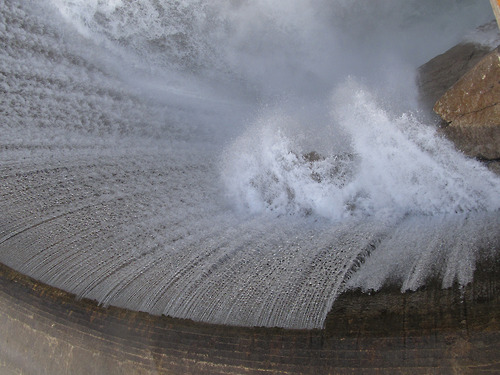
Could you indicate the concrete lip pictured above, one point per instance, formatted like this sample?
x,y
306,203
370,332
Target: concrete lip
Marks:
x,y
47,331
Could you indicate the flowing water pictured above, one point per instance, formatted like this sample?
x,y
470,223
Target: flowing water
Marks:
x,y
237,162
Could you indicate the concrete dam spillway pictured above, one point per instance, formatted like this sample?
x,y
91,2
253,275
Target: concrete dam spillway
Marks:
x,y
237,163
147,187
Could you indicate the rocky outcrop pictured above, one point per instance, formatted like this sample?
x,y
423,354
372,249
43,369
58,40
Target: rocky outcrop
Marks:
x,y
471,110
439,74
461,89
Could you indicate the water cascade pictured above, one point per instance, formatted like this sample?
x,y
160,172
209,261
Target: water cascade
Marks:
x,y
237,162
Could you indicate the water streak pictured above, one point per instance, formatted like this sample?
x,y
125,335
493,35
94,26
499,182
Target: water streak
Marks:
x,y
213,161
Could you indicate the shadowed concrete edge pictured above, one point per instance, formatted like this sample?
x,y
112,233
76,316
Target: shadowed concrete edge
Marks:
x,y
47,331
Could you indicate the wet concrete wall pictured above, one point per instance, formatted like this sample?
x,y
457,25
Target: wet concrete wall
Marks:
x,y
46,331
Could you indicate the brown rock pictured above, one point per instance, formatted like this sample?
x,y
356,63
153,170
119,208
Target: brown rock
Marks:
x,y
471,107
476,93
439,74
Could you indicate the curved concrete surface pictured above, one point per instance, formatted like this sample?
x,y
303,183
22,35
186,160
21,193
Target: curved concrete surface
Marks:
x,y
46,331
199,194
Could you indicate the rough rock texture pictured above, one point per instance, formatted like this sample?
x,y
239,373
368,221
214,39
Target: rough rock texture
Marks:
x,y
461,88
471,108
439,74
495,4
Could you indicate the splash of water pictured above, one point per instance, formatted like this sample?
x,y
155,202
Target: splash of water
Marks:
x,y
393,165
210,161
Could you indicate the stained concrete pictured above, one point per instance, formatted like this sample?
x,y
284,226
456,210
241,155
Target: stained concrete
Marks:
x,y
44,330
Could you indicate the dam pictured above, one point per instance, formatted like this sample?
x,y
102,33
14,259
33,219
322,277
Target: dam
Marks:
x,y
233,164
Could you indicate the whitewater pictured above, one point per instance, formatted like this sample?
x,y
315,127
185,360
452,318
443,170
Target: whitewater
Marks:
x,y
235,162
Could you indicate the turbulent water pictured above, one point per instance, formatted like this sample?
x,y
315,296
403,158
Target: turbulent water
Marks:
x,y
237,162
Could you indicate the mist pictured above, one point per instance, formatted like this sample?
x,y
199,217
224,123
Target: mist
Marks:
x,y
233,162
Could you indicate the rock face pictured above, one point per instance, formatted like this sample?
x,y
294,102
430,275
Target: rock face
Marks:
x,y
471,109
461,87
439,74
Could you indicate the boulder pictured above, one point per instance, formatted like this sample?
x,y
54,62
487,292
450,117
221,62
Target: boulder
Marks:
x,y
437,75
459,89
471,109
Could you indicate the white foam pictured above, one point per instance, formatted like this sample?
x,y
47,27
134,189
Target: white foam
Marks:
x,y
114,184
395,166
